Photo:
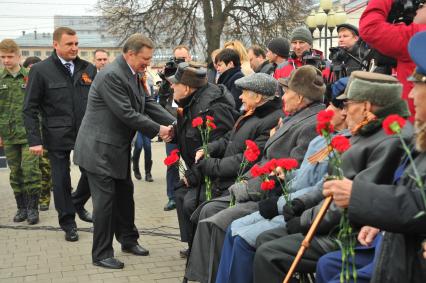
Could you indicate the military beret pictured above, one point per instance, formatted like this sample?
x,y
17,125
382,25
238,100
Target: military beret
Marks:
x,y
349,27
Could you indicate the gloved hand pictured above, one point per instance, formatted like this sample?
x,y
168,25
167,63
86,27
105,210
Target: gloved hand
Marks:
x,y
295,209
193,176
268,207
239,191
294,226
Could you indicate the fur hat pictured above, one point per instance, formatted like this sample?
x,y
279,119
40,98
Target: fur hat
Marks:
x,y
190,74
301,33
259,83
279,46
379,89
307,81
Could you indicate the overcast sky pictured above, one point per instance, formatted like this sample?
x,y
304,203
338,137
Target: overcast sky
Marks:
x,y
30,15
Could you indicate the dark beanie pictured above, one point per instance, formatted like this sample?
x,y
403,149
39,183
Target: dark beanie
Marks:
x,y
302,33
279,46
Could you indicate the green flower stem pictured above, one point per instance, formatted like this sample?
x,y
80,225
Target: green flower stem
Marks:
x,y
418,180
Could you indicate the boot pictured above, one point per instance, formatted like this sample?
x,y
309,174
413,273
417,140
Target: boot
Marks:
x,y
21,203
33,209
148,166
136,171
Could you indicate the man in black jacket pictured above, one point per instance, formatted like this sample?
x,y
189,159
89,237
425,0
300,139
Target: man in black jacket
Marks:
x,y
57,89
258,61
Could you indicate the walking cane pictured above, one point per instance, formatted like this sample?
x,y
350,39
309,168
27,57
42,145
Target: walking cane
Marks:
x,y
305,243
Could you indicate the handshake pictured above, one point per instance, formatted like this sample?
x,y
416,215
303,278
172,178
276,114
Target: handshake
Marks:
x,y
166,133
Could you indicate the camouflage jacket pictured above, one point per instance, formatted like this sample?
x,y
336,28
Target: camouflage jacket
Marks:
x,y
12,94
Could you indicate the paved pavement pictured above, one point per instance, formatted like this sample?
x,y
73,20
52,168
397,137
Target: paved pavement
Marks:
x,y
41,254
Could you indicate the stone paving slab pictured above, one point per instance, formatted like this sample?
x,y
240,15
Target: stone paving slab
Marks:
x,y
41,254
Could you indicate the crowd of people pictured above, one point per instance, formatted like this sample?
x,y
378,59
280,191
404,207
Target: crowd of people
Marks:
x,y
235,126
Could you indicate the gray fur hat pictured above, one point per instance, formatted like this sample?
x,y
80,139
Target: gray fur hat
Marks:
x,y
259,83
307,81
379,89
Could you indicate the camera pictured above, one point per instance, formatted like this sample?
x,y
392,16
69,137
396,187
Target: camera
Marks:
x,y
170,68
404,11
165,91
310,58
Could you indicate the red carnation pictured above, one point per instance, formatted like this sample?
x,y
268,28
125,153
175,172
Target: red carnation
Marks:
x,y
171,159
209,118
340,143
393,124
197,122
257,171
251,155
324,127
287,163
267,185
325,116
251,145
270,165
211,125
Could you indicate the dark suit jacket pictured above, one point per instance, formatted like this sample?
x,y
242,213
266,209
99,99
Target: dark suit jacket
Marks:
x,y
117,107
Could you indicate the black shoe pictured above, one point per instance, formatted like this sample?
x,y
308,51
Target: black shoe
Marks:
x,y
170,205
184,253
44,207
136,250
21,215
71,235
148,177
84,215
110,262
137,174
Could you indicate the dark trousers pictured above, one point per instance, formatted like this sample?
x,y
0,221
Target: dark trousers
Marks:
x,y
113,213
142,142
276,251
65,204
172,174
186,203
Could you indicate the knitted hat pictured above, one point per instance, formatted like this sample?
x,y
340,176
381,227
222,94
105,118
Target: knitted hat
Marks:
x,y
301,33
279,46
307,81
379,89
259,83
189,74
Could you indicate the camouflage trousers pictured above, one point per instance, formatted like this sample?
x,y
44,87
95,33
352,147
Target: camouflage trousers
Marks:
x,y
25,174
46,180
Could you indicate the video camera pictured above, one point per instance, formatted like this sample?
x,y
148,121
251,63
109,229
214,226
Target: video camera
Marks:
x,y
170,68
310,58
404,11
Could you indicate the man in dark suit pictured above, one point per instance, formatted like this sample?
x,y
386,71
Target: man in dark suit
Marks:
x,y
57,89
117,108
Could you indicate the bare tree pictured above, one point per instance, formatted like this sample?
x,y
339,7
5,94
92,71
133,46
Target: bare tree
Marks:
x,y
171,22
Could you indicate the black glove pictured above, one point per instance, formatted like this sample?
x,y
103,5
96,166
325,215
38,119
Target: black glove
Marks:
x,y
268,207
295,209
293,226
193,176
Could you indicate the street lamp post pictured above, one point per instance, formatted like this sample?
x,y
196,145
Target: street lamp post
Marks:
x,y
325,18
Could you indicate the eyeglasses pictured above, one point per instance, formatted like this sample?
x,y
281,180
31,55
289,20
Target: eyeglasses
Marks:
x,y
347,103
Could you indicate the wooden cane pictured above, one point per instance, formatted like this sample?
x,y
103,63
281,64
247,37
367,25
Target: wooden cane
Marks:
x,y
305,243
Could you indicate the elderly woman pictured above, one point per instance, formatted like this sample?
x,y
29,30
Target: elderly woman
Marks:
x,y
373,156
302,102
262,109
238,250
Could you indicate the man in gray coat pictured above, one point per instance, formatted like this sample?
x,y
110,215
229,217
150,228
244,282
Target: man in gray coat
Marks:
x,y
117,108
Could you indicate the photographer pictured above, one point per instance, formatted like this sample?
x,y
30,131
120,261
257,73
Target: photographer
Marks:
x,y
391,39
348,56
302,53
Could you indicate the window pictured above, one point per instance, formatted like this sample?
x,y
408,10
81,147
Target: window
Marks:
x,y
37,53
25,53
83,53
116,54
48,53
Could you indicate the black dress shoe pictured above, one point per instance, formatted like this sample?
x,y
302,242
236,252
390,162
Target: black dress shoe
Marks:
x,y
71,235
110,262
84,215
136,250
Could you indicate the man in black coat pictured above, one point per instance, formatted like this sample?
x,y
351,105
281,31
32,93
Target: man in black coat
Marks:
x,y
57,89
196,98
117,108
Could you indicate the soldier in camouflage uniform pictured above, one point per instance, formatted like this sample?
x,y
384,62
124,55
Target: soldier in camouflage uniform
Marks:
x,y
46,178
25,174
